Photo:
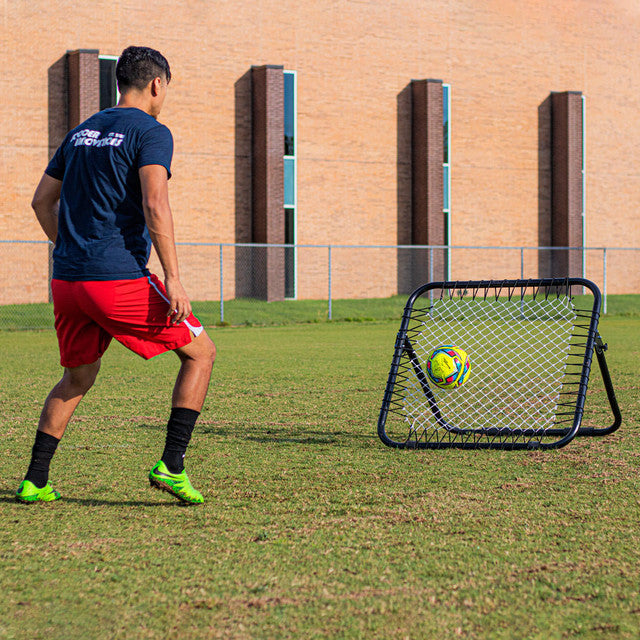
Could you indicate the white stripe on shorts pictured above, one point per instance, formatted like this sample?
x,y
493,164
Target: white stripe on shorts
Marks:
x,y
195,330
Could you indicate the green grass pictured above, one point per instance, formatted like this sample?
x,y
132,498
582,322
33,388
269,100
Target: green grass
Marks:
x,y
312,528
251,312
243,311
16,317
623,305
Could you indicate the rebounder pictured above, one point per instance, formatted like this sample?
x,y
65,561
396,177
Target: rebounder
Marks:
x,y
530,344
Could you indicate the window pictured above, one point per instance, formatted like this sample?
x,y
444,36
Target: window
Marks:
x,y
446,173
290,173
109,94
584,186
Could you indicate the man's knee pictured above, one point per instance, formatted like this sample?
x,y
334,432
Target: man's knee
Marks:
x,y
211,349
208,349
201,349
81,378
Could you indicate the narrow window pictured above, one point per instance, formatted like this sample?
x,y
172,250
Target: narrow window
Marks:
x,y
584,186
290,173
446,173
109,94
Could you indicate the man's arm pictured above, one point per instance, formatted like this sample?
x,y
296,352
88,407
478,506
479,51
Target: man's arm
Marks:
x,y
45,203
157,214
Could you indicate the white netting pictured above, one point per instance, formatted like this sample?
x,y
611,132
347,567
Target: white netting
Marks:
x,y
526,349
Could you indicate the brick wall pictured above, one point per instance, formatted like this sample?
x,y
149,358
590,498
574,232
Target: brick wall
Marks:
x,y
354,62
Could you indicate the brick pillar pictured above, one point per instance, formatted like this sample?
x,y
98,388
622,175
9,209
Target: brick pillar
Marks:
x,y
58,116
268,179
243,181
84,85
74,95
566,182
427,192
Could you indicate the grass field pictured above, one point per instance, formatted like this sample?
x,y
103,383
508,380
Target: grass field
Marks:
x,y
252,312
312,528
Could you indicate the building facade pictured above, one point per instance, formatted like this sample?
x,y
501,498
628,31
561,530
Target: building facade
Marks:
x,y
348,122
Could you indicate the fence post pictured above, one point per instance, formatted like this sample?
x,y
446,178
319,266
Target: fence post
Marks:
x,y
330,306
604,280
221,287
431,274
521,278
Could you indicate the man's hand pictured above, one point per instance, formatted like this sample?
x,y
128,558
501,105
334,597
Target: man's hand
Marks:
x,y
179,305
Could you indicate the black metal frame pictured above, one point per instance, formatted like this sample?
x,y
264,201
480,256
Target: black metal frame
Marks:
x,y
471,438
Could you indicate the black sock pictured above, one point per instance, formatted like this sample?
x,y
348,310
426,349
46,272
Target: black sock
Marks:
x,y
179,429
41,454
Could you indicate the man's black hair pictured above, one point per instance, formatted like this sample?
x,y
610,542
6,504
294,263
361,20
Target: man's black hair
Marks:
x,y
138,66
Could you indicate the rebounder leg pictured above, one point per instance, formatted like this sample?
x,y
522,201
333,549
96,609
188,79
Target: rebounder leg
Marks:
x,y
531,345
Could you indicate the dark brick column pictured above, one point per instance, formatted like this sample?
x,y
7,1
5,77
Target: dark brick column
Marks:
x,y
58,103
84,85
427,191
566,182
73,95
268,179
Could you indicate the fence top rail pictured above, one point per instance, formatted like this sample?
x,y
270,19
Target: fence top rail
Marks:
x,y
26,242
259,245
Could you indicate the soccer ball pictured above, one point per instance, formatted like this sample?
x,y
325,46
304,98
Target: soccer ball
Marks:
x,y
448,367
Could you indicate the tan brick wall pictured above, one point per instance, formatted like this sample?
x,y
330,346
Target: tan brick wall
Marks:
x,y
354,60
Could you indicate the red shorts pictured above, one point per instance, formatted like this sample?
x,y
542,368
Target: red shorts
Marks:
x,y
134,312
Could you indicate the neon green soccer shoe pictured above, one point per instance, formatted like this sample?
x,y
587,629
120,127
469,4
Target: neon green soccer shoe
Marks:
x,y
28,492
176,483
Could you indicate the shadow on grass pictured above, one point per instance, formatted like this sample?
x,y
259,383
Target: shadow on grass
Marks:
x,y
126,503
273,439
10,497
284,436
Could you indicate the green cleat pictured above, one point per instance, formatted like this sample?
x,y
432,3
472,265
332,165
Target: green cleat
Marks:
x,y
28,492
176,483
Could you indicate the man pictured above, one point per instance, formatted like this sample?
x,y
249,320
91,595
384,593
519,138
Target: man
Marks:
x,y
103,200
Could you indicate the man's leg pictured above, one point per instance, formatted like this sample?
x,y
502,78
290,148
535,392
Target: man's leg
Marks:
x,y
56,413
193,378
190,390
65,397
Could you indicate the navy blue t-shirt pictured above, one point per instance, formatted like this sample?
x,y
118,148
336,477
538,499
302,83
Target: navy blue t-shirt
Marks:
x,y
102,234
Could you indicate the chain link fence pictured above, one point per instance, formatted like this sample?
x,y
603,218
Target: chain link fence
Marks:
x,y
256,284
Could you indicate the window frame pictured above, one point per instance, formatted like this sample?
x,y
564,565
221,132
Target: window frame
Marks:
x,y
113,59
294,206
584,184
446,171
